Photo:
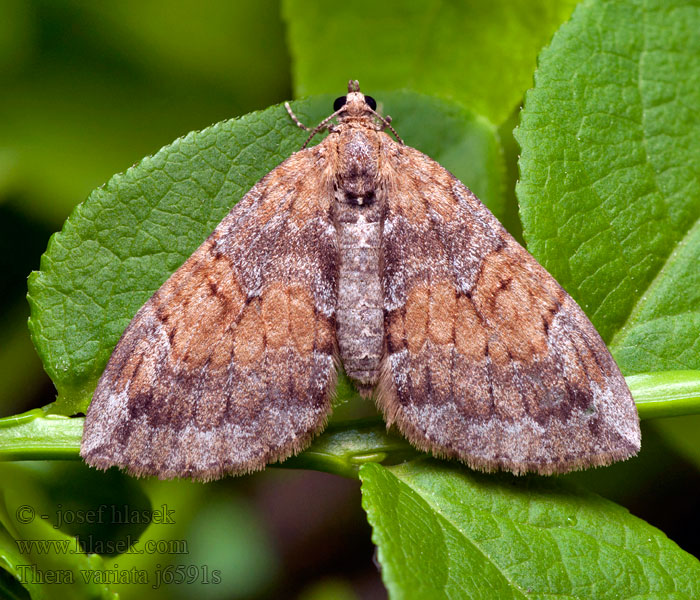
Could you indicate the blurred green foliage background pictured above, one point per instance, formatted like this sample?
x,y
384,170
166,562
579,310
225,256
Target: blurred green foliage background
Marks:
x,y
90,88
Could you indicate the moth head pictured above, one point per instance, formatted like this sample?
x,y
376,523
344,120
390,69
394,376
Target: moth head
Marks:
x,y
355,103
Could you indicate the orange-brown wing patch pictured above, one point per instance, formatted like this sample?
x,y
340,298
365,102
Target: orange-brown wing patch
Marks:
x,y
230,365
488,359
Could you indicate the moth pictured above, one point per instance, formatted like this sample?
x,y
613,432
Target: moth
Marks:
x,y
364,252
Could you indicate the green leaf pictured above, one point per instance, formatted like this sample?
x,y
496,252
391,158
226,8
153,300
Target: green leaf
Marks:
x,y
610,162
663,330
119,246
480,53
446,532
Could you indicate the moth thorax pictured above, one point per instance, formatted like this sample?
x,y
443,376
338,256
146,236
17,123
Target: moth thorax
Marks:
x,y
360,314
359,166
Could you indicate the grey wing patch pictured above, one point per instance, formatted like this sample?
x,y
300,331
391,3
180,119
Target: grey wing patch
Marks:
x,y
488,359
230,365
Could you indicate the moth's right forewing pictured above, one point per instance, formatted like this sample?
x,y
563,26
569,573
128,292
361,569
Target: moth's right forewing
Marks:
x,y
230,365
488,359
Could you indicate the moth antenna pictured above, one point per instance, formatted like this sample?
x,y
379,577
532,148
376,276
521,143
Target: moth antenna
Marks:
x,y
322,125
396,135
294,118
386,121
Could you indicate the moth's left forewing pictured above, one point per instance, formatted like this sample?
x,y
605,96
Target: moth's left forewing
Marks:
x,y
230,364
488,359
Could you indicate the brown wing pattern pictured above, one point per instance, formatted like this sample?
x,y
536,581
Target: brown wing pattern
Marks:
x,y
488,359
230,364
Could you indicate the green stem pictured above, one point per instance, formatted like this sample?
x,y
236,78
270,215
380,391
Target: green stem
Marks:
x,y
666,393
37,435
343,447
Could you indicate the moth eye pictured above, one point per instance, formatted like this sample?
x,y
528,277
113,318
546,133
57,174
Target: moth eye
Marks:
x,y
371,102
338,103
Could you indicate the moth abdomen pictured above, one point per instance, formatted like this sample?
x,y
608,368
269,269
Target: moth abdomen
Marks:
x,y
359,313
